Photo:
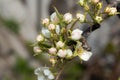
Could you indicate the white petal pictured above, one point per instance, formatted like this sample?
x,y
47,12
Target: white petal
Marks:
x,y
41,77
45,32
85,55
69,53
76,34
46,72
37,71
57,29
54,17
62,53
51,76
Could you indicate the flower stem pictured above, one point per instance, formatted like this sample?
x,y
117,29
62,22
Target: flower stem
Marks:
x,y
59,73
74,24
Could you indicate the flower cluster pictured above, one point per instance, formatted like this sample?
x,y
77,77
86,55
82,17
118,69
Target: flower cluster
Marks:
x,y
44,73
96,7
62,41
56,36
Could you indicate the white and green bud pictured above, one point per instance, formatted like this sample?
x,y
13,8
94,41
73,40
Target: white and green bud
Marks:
x,y
67,17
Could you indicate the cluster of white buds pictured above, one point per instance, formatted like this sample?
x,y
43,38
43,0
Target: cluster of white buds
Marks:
x,y
44,73
62,41
54,36
111,10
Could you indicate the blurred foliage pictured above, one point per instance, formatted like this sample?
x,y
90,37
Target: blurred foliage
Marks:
x,y
74,71
43,59
110,48
11,24
23,69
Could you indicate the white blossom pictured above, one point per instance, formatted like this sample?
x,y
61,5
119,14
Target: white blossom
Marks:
x,y
37,49
98,19
44,73
85,56
59,44
40,38
47,72
81,17
54,17
46,33
76,34
51,27
67,17
52,50
111,10
62,53
39,74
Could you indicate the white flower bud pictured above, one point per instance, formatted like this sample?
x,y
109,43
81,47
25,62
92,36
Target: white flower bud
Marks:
x,y
54,18
69,53
76,34
57,29
81,17
53,61
37,49
68,17
59,44
95,1
81,2
45,21
85,56
45,32
52,50
51,27
40,38
107,9
62,53
98,19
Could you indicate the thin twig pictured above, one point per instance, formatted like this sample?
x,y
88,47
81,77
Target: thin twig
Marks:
x,y
59,73
74,24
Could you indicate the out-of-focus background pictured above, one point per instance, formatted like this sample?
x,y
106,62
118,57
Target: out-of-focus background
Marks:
x,y
20,24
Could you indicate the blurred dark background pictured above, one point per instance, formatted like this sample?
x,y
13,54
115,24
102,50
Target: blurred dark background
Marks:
x,y
20,24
